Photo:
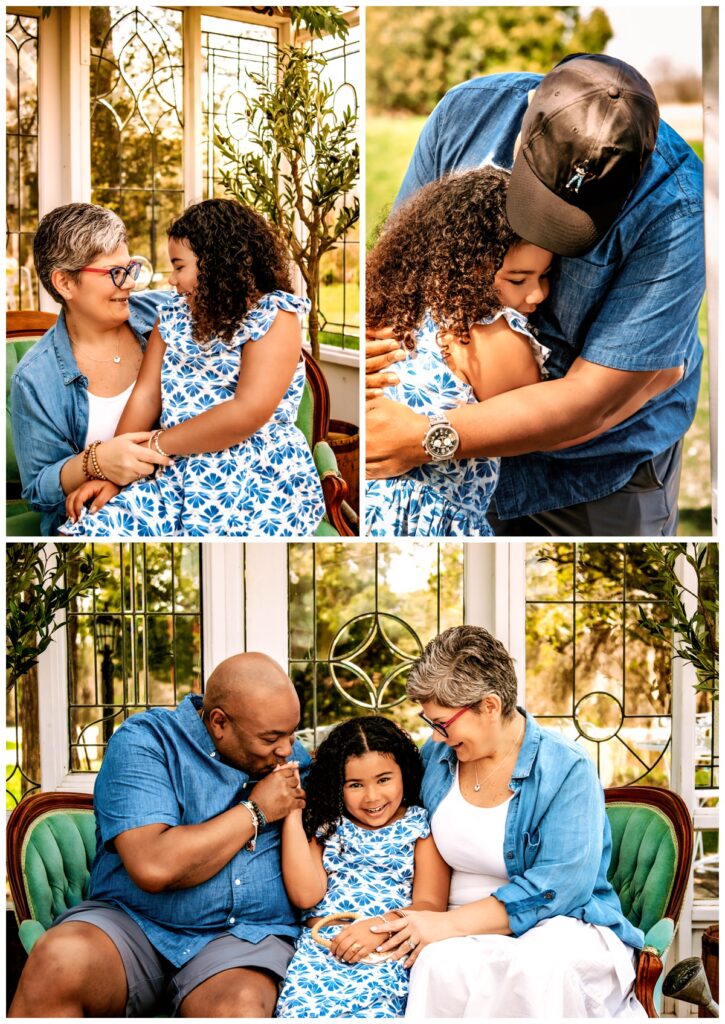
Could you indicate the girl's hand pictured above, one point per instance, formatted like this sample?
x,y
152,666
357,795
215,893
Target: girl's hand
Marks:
x,y
412,933
126,458
100,491
356,941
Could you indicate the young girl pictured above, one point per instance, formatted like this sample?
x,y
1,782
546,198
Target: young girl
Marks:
x,y
240,465
361,845
456,284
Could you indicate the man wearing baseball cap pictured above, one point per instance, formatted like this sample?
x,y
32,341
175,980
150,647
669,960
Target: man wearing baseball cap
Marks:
x,y
618,196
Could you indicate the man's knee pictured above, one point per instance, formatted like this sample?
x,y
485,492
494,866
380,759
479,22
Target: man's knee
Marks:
x,y
67,965
233,993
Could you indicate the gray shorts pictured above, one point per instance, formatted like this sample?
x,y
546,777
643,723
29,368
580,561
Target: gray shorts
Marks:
x,y
153,982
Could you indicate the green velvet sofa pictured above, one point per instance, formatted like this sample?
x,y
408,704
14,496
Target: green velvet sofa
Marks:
x,y
51,844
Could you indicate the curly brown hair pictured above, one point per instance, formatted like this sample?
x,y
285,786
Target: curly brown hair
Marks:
x,y
439,252
240,256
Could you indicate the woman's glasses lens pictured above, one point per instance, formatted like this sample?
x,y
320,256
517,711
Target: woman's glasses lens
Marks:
x,y
119,274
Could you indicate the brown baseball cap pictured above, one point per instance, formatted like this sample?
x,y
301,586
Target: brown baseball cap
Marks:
x,y
586,138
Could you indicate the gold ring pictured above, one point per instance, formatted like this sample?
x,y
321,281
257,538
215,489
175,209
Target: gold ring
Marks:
x,y
355,947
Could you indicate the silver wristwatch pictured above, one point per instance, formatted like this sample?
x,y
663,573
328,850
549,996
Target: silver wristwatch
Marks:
x,y
441,440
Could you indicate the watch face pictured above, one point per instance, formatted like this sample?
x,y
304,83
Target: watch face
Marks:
x,y
441,441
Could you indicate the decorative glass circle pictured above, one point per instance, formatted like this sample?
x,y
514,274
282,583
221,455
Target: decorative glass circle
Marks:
x,y
376,649
598,716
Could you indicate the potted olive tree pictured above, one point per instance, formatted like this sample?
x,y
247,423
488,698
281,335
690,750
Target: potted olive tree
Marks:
x,y
303,165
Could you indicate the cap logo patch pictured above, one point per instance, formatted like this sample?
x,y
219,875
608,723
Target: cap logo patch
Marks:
x,y
577,179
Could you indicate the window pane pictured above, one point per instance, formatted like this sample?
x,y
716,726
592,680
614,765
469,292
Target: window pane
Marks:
x,y
359,615
340,268
230,51
134,643
21,151
706,864
137,66
592,671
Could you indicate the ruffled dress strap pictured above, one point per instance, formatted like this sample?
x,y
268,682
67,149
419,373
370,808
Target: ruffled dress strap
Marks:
x,y
518,322
263,313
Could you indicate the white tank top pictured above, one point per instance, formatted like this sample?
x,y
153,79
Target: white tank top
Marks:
x,y
104,414
470,839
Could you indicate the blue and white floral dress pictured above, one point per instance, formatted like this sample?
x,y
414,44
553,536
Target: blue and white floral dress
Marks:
x,y
438,499
265,486
369,872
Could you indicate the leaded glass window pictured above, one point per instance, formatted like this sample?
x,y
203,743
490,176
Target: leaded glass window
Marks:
x,y
21,81
359,615
340,267
230,50
592,672
137,65
135,643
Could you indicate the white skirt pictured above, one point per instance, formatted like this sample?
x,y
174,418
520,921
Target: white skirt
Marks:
x,y
560,968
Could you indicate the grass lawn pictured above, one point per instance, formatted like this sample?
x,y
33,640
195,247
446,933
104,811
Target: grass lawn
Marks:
x,y
341,307
390,144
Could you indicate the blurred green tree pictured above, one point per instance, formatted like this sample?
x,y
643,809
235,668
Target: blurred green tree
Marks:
x,y
415,54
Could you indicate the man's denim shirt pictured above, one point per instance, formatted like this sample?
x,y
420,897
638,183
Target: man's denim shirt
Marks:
x,y
162,767
49,409
557,842
631,303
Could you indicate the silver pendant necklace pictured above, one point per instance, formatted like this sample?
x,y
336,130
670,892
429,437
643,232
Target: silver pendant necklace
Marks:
x,y
477,786
115,359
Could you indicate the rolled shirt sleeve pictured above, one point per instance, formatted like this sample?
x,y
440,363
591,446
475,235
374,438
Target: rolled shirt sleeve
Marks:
x,y
41,445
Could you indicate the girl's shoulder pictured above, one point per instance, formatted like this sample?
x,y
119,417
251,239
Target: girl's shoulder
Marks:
x,y
262,314
415,823
517,322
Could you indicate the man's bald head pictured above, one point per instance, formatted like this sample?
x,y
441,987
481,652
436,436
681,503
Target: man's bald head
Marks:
x,y
246,678
251,710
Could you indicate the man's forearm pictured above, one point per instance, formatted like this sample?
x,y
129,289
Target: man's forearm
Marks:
x,y
159,858
534,418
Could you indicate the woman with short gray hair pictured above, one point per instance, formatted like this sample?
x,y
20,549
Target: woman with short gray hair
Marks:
x,y
68,392
533,927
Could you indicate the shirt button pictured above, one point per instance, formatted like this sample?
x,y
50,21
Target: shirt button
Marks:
x,y
548,895
509,855
232,920
237,881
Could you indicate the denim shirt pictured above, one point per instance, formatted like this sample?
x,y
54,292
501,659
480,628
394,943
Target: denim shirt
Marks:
x,y
49,408
557,841
162,767
630,303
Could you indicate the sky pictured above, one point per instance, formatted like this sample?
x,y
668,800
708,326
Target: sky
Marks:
x,y
641,34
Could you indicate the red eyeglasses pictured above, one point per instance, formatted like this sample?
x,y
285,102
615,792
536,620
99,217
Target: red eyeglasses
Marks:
x,y
119,275
443,729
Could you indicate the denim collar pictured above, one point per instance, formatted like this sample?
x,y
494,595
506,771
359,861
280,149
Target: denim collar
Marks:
x,y
64,353
527,754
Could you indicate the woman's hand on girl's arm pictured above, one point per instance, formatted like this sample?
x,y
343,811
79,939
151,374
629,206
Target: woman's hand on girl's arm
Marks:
x,y
304,876
421,927
100,491
267,368
356,941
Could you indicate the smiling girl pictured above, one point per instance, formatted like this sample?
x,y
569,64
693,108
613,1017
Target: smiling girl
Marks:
x,y
361,845
227,408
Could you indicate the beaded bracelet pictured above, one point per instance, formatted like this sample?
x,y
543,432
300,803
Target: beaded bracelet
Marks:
x,y
252,843
86,454
261,819
154,441
98,473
